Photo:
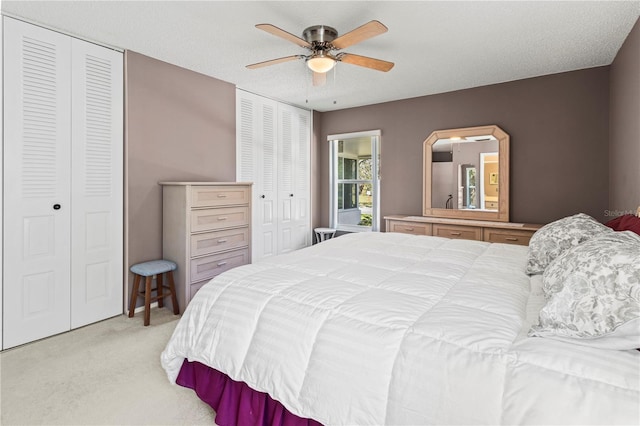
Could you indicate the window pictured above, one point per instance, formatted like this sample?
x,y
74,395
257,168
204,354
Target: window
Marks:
x,y
354,164
469,186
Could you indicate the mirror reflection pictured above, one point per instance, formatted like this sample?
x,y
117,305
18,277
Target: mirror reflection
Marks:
x,y
465,173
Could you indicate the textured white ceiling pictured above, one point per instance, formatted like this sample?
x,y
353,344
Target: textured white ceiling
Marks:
x,y
437,46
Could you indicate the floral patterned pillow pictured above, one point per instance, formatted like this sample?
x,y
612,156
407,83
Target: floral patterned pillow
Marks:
x,y
556,237
593,293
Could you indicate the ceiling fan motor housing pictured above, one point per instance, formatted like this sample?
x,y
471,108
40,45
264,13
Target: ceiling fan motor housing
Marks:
x,y
320,34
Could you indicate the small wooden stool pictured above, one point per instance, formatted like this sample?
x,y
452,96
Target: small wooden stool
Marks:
x,y
148,270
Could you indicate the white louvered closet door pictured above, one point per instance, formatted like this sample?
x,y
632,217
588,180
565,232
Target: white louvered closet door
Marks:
x,y
286,177
273,152
302,180
256,162
37,210
97,178
267,194
62,183
294,178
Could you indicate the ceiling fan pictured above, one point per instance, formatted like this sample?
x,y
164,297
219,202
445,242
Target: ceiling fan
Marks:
x,y
323,42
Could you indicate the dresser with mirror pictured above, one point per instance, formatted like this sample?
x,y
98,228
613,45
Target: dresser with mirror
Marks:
x,y
465,189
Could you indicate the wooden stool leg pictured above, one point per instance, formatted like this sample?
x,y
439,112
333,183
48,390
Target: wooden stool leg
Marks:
x,y
159,290
147,300
174,298
134,294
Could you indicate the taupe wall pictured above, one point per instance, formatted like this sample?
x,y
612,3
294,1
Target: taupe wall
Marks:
x,y
179,126
624,132
559,128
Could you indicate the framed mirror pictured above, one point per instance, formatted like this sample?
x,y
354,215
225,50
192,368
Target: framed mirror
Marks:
x,y
466,174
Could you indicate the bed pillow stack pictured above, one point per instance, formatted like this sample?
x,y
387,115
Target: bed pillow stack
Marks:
x,y
592,287
555,238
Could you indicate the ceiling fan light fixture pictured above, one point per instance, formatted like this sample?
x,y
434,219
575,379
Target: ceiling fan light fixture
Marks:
x,y
321,63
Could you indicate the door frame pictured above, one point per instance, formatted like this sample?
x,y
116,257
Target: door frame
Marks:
x,y
376,143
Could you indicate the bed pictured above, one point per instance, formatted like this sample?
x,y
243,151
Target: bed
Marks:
x,y
386,328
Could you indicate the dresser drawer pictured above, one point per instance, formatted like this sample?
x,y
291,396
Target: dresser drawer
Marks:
x,y
203,268
409,227
507,236
216,196
213,242
220,218
461,232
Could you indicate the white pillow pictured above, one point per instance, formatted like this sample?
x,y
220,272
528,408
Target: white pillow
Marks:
x,y
556,237
593,293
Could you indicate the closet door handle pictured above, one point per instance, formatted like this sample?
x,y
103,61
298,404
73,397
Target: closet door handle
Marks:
x,y
56,206
290,195
262,196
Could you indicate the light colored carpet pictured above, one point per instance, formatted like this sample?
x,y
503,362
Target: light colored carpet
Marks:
x,y
107,373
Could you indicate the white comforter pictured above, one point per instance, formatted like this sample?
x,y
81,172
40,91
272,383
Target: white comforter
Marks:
x,y
384,328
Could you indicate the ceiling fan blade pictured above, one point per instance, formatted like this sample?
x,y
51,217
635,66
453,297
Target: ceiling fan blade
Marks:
x,y
363,32
365,61
272,29
274,61
319,78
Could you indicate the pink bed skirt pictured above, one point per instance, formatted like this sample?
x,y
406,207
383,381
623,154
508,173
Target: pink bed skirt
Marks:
x,y
236,403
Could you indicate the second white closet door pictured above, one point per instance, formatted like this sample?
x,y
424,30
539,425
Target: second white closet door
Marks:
x,y
302,179
286,194
97,178
256,161
293,178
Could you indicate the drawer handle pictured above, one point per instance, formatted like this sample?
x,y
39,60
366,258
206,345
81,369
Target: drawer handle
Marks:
x,y
223,240
511,239
456,233
408,229
222,218
222,263
222,195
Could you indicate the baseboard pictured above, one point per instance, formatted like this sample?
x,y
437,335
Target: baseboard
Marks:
x,y
141,308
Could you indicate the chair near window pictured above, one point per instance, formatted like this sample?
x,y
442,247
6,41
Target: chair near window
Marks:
x,y
324,234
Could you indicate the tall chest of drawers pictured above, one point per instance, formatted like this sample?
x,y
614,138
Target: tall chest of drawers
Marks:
x,y
206,230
